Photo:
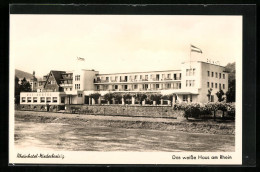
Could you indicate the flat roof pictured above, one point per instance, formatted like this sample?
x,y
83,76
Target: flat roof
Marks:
x,y
139,72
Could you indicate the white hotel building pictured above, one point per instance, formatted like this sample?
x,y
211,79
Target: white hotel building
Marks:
x,y
190,83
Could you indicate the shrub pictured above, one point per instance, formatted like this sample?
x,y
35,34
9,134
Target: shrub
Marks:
x,y
156,97
95,96
108,97
195,110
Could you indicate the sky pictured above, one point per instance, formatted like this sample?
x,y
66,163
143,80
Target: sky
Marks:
x,y
121,43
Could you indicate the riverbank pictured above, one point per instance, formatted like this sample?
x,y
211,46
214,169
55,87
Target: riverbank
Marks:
x,y
162,124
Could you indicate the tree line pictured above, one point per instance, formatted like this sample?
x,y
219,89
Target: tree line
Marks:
x,y
24,86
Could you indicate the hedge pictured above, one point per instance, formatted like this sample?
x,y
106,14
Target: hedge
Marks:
x,y
196,110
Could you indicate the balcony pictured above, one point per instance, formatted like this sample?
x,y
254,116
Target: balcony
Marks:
x,y
66,85
101,81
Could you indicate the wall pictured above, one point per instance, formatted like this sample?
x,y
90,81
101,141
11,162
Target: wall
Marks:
x,y
146,111
205,78
37,107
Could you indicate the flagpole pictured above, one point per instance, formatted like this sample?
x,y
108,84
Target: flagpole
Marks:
x,y
190,56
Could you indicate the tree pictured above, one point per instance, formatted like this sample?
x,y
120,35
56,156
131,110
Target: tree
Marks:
x,y
156,97
209,94
109,97
17,90
127,96
25,86
231,93
117,96
141,97
95,96
220,95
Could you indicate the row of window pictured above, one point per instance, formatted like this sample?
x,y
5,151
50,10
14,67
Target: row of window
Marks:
x,y
77,77
77,86
190,72
216,85
68,89
143,86
42,99
217,75
157,77
185,98
190,83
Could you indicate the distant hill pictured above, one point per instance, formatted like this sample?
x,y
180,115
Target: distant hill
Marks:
x,y
21,74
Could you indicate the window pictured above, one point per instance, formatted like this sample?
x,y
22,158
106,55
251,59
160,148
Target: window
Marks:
x,y
79,95
212,74
219,75
162,76
107,78
29,99
35,100
70,89
208,73
146,77
220,86
157,86
187,72
187,83
54,100
23,99
77,86
193,72
208,84
185,98
223,76
179,85
62,99
216,74
168,85
191,83
174,76
77,77
116,78
98,87
190,98
48,99
135,76
145,86
135,86
212,85
42,99
216,85
223,86
169,76
116,87
141,76
212,98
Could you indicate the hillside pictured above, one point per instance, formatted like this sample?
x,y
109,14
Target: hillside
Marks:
x,y
22,74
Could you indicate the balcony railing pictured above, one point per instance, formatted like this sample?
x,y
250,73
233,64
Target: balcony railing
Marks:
x,y
66,85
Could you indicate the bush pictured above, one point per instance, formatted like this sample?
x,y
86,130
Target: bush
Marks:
x,y
195,110
95,96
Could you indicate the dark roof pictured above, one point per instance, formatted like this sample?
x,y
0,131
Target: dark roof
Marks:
x,y
57,75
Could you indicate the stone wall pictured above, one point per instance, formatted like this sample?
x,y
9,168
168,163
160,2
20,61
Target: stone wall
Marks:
x,y
124,110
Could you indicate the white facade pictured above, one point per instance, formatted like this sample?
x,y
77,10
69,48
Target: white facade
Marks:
x,y
191,83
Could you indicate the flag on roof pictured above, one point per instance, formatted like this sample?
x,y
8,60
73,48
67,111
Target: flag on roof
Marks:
x,y
195,49
80,59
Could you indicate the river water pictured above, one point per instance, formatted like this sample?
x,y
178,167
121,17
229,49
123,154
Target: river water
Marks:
x,y
69,137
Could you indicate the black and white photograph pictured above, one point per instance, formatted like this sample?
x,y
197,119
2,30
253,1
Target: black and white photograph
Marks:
x,y
117,88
